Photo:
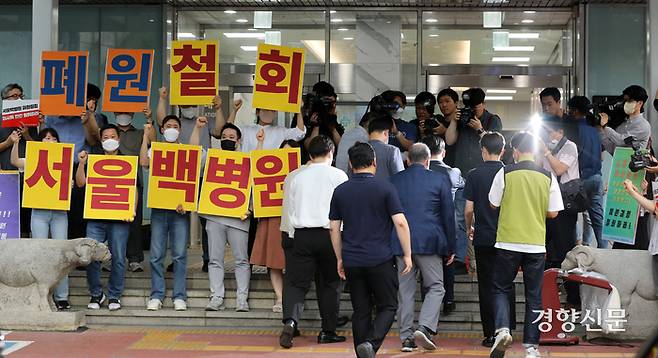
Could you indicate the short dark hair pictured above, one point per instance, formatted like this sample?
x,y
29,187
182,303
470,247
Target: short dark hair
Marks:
x,y
44,132
524,142
361,155
93,91
171,117
435,144
636,93
320,146
476,96
289,142
389,96
324,89
493,142
427,100
108,127
579,103
550,92
380,122
229,126
9,87
448,92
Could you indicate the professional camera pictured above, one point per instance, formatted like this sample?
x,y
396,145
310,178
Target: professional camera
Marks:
x,y
641,158
320,105
468,112
613,106
379,104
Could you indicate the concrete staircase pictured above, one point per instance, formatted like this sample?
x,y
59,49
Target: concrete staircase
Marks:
x,y
466,318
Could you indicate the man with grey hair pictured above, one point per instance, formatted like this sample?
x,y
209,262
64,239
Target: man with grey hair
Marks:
x,y
427,202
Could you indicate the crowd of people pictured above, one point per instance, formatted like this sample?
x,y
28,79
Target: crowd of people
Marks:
x,y
372,210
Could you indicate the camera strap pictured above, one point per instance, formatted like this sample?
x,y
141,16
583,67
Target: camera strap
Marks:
x,y
559,145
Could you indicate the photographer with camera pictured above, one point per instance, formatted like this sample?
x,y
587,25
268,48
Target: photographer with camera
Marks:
x,y
635,125
426,122
403,134
551,106
319,112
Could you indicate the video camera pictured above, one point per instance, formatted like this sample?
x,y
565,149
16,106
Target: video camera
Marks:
x,y
641,157
379,104
322,105
613,106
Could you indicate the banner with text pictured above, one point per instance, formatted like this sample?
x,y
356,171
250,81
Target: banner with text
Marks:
x,y
10,206
48,175
226,186
63,82
20,112
194,75
621,210
127,80
173,176
111,188
268,171
279,78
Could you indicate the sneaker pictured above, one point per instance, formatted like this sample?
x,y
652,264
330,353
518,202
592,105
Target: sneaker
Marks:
x,y
365,350
114,304
242,306
532,352
62,305
425,337
135,267
180,305
215,304
501,344
96,302
154,304
409,345
285,339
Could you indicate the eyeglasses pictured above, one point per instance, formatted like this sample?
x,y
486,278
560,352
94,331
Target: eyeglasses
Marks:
x,y
14,97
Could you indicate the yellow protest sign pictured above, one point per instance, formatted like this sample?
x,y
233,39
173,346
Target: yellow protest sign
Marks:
x,y
268,170
279,77
226,185
48,175
194,75
173,176
111,187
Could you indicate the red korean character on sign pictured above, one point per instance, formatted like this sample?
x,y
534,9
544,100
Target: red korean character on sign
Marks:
x,y
201,80
271,165
228,173
111,192
274,74
43,172
181,167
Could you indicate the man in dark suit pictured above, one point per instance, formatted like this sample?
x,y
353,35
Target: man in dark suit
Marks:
x,y
427,202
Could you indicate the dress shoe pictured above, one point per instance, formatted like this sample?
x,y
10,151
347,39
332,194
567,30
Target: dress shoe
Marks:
x,y
342,321
488,342
448,307
365,350
330,337
285,339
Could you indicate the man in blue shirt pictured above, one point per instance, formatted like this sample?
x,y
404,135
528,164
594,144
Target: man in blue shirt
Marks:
x,y
427,202
368,209
403,134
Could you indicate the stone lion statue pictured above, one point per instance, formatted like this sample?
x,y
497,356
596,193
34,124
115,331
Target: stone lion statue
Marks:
x,y
30,269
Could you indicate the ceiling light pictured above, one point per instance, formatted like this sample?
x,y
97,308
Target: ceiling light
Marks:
x,y
431,21
524,35
263,19
434,35
348,38
343,29
249,48
529,12
231,12
169,21
502,91
332,11
500,39
244,35
401,35
336,20
252,30
186,35
515,48
242,21
432,64
499,98
510,59
527,21
492,19
151,20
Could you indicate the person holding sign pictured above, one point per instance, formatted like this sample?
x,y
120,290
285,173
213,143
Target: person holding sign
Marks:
x,y
115,233
44,221
234,231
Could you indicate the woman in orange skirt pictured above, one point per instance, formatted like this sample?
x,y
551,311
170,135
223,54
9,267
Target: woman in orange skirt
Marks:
x,y
267,249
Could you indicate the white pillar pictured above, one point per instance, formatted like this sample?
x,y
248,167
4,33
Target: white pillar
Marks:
x,y
652,33
44,35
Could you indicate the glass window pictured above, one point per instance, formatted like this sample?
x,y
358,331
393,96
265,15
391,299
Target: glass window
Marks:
x,y
16,41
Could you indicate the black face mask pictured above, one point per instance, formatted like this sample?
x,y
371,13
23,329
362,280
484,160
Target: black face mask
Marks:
x,y
228,144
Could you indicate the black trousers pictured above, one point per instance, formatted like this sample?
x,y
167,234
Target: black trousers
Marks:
x,y
449,282
77,225
311,251
560,239
135,248
642,237
381,284
485,256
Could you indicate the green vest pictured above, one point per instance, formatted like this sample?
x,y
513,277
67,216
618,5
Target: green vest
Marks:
x,y
523,208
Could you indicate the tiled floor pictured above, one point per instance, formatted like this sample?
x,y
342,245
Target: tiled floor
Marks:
x,y
172,342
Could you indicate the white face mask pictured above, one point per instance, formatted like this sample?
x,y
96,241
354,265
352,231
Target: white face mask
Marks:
x,y
124,119
629,107
110,145
170,134
189,112
398,113
553,144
